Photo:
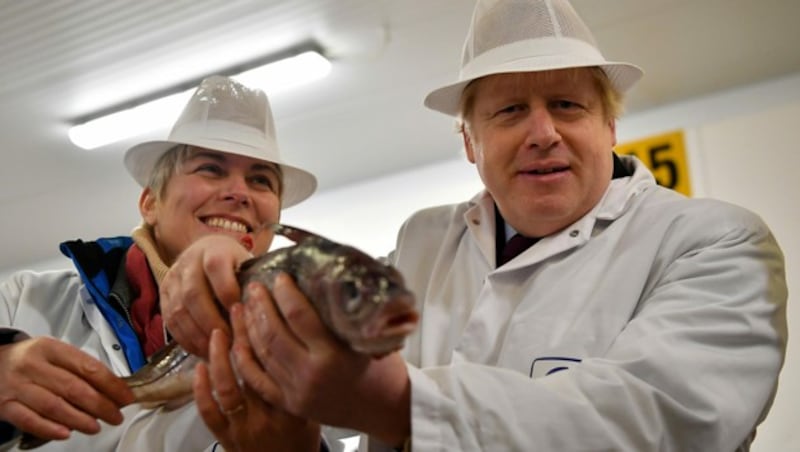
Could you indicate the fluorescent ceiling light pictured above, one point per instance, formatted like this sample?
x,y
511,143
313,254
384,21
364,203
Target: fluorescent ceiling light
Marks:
x,y
146,117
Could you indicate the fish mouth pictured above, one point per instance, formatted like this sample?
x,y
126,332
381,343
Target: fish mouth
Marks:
x,y
387,331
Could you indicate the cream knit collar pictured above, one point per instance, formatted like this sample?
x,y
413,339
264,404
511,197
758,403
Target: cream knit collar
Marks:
x,y
143,237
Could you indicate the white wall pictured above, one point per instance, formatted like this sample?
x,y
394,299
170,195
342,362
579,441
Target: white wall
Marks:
x,y
742,148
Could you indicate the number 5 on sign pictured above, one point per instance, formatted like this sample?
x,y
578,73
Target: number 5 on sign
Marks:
x,y
665,155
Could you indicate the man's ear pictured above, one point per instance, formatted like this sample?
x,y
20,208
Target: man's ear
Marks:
x,y
147,206
612,125
467,144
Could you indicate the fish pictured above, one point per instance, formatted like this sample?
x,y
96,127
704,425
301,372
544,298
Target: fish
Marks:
x,y
362,300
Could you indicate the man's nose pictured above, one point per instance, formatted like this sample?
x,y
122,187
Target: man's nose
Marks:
x,y
542,133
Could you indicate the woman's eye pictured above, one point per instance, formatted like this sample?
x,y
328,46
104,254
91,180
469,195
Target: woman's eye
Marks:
x,y
209,168
264,182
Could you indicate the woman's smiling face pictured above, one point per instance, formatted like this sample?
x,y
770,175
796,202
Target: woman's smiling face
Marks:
x,y
213,192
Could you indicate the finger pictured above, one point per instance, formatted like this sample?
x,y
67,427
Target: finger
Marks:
x,y
103,380
206,404
190,336
300,316
49,410
177,293
32,423
223,378
249,368
220,270
200,295
270,339
77,383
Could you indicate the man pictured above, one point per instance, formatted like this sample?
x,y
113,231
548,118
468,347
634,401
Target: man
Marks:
x,y
67,337
633,319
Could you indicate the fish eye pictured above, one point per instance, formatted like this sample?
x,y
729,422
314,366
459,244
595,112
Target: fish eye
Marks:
x,y
350,292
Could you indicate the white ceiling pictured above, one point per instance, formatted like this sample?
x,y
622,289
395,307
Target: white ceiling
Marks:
x,y
63,60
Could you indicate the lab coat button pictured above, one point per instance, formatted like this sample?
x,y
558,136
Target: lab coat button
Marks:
x,y
574,233
116,347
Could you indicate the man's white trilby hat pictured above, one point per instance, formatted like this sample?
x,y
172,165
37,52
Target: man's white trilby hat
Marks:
x,y
226,116
526,36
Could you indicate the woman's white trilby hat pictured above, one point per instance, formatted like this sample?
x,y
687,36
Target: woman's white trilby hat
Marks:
x,y
226,116
526,36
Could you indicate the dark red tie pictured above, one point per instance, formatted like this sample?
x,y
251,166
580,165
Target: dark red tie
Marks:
x,y
513,247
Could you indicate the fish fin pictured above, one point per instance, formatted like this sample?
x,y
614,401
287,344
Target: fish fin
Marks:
x,y
292,233
179,402
168,405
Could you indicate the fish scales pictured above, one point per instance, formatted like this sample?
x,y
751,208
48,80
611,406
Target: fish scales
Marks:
x,y
361,300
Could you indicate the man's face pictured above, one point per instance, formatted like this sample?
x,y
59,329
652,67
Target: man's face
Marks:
x,y
542,145
214,193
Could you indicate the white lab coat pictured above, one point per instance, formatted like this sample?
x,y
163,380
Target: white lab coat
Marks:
x,y
654,323
57,304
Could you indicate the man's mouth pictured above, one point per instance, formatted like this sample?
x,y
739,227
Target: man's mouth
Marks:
x,y
542,171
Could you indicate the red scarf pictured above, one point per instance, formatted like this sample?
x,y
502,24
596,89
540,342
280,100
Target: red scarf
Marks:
x,y
145,310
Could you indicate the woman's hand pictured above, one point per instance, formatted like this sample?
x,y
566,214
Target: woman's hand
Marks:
x,y
198,289
49,388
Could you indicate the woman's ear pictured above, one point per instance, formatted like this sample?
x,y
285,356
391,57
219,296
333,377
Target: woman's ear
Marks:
x,y
148,206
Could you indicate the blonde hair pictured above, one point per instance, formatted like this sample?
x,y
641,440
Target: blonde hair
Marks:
x,y
611,98
166,166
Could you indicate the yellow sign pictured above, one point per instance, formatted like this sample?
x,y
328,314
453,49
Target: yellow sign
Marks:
x,y
665,155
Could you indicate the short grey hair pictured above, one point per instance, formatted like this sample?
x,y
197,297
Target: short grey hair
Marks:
x,y
166,166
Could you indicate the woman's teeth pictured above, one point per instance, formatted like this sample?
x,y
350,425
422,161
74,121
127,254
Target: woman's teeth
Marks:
x,y
226,224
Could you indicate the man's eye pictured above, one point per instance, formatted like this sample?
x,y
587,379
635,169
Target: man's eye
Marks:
x,y
510,109
564,104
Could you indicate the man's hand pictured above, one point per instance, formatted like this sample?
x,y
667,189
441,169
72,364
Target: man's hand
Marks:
x,y
287,355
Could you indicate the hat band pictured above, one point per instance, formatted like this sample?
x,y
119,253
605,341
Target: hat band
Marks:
x,y
532,55
227,136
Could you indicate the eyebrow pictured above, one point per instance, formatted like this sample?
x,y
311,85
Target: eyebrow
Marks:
x,y
220,157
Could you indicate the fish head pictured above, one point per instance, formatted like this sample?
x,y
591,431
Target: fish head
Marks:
x,y
370,305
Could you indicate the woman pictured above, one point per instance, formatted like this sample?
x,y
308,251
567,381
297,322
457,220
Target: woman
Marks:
x,y
67,337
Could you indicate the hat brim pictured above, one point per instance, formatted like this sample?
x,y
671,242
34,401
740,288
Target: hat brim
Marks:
x,y
447,99
140,160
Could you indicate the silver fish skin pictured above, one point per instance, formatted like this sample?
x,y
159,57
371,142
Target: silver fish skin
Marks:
x,y
362,300
167,377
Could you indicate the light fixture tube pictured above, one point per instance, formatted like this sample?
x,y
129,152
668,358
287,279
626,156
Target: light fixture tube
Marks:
x,y
145,117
